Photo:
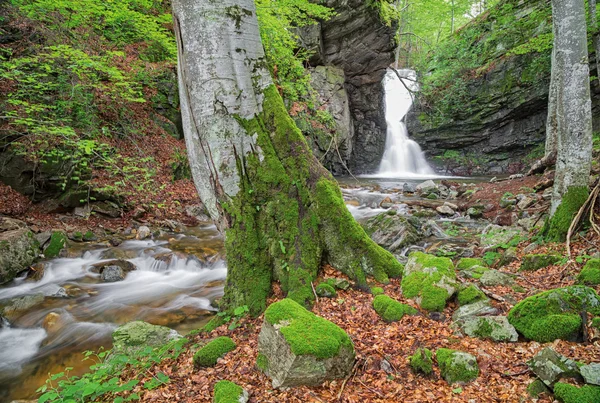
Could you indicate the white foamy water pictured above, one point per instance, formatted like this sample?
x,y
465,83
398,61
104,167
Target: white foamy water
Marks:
x,y
402,157
17,346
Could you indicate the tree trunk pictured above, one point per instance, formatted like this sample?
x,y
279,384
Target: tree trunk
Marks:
x,y
573,114
595,35
282,213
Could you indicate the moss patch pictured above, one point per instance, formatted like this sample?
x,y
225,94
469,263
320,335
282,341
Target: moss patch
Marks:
x,y
572,394
538,261
208,355
421,361
554,314
470,294
390,309
536,388
58,240
424,278
227,392
305,332
468,262
456,366
557,227
325,290
262,362
377,291
590,274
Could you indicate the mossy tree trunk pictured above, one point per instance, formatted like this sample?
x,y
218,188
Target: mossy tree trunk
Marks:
x,y
573,114
282,213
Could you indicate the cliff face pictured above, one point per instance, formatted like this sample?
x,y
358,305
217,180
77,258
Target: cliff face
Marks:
x,y
358,42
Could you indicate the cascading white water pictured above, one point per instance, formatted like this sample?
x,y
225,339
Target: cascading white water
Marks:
x,y
403,157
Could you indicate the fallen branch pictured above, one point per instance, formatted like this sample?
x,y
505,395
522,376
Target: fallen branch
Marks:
x,y
314,292
541,164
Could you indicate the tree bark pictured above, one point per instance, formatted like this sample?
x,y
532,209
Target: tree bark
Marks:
x,y
573,114
282,213
595,35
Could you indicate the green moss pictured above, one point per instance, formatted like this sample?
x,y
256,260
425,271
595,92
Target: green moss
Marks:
x,y
422,283
212,324
325,290
443,264
554,314
470,294
58,240
208,355
262,362
572,394
596,323
307,333
476,271
590,274
535,262
468,262
227,392
536,388
390,309
377,291
421,361
89,236
454,367
557,227
433,298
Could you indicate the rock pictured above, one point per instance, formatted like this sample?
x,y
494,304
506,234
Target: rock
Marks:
x,y
457,366
339,283
470,294
211,352
18,249
468,262
122,264
554,314
550,366
475,272
408,187
591,373
84,211
530,248
494,235
479,308
111,274
143,232
474,212
536,388
53,322
107,208
507,201
198,211
426,187
495,328
229,392
325,290
392,232
590,274
15,307
445,210
133,336
567,393
300,348
11,224
509,256
538,261
526,202
43,237
421,361
493,278
430,280
391,310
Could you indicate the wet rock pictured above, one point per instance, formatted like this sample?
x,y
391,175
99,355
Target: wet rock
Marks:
x,y
123,264
408,187
111,274
133,336
426,187
591,373
457,366
445,210
18,249
479,308
14,307
494,328
36,272
392,231
302,355
550,366
53,322
493,278
143,232
115,241
386,203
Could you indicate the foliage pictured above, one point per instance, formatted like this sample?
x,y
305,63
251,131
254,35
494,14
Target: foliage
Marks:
x,y
103,380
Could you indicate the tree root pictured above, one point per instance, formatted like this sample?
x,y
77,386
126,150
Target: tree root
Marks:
x,y
588,206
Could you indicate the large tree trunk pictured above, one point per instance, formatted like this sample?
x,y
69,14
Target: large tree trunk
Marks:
x,y
595,35
573,114
282,213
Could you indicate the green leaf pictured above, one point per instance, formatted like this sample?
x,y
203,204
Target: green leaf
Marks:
x,y
457,390
47,397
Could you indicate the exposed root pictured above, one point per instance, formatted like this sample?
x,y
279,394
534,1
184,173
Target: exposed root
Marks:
x,y
588,206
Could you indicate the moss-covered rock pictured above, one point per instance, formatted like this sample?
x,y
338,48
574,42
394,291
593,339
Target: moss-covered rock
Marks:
x,y
134,336
429,279
229,392
57,243
496,235
554,314
475,272
557,227
208,354
302,348
468,262
262,362
494,328
338,283
421,361
535,262
18,250
377,291
566,393
457,366
493,278
391,310
393,231
536,388
590,274
325,290
470,294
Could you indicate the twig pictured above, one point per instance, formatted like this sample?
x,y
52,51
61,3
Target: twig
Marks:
x,y
516,373
354,368
492,295
314,292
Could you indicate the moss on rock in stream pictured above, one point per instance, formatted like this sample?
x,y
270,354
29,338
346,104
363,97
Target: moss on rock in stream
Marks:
x,y
572,394
227,392
557,227
208,355
305,332
421,361
58,240
391,310
590,274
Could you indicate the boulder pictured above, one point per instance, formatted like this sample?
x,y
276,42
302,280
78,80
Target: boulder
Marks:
x,y
299,348
426,187
554,314
591,373
111,274
430,280
496,328
479,308
457,366
470,294
475,272
392,231
134,336
408,187
18,248
533,262
495,235
143,232
493,278
550,366
325,290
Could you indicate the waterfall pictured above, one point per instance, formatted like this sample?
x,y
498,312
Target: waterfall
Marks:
x,y
403,157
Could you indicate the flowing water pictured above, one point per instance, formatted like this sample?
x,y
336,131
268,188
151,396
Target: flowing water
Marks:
x,y
177,277
402,157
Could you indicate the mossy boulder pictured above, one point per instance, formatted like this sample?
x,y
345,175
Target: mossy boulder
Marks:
x,y
421,361
430,280
554,314
377,291
391,310
18,250
457,366
134,336
301,348
392,231
468,262
535,262
58,241
496,328
590,274
325,290
550,367
566,393
209,354
470,294
229,392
